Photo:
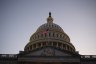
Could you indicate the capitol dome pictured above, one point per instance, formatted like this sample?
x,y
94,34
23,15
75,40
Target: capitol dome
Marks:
x,y
50,34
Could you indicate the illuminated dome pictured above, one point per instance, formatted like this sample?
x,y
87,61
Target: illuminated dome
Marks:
x,y
50,34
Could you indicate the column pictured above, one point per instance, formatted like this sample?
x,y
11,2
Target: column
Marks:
x,y
61,45
66,47
37,45
41,44
57,44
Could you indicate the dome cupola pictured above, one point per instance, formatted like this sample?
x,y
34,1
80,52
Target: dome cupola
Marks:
x,y
49,19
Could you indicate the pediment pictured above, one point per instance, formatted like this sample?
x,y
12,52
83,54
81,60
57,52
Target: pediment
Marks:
x,y
48,51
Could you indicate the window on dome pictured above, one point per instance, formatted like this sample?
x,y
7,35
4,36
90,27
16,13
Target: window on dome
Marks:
x,y
38,36
41,35
45,34
67,47
52,25
34,46
60,35
65,37
54,44
34,37
28,48
50,43
53,34
31,47
64,46
59,45
71,49
44,43
57,35
39,44
49,34
44,25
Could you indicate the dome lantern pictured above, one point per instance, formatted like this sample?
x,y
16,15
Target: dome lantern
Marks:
x,y
49,19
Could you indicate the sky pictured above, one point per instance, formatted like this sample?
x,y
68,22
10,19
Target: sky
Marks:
x,y
19,19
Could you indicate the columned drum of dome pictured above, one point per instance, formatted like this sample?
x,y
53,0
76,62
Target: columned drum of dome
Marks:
x,y
50,34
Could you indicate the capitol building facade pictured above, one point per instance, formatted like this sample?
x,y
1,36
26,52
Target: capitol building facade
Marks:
x,y
48,45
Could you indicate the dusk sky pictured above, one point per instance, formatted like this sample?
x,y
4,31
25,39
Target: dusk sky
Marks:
x,y
19,19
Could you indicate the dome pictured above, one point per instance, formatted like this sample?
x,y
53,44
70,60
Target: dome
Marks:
x,y
50,34
50,26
